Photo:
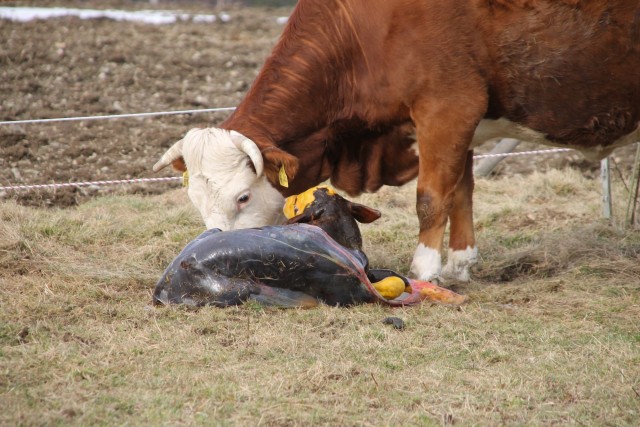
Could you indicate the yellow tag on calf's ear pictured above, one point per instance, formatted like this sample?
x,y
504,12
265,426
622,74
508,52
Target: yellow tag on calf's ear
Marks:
x,y
185,179
282,177
295,205
289,208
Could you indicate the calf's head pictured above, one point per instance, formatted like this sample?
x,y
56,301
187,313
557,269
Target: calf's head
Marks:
x,y
324,208
226,180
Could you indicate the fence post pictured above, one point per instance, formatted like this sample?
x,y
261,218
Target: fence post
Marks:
x,y
485,167
605,176
633,191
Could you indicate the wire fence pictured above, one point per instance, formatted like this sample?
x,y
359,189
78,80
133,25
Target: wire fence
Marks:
x,y
53,186
115,116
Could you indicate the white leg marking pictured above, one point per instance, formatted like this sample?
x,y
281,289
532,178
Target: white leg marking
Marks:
x,y
458,263
427,264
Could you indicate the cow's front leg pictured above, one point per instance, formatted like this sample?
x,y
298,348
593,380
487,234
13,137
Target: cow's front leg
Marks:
x,y
437,182
444,135
462,248
427,259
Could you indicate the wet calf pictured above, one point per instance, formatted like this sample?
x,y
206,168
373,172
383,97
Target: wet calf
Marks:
x,y
316,258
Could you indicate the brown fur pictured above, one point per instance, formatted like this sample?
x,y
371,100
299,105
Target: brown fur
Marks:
x,y
349,80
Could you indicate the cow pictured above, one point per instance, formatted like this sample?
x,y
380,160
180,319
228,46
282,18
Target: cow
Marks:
x,y
376,92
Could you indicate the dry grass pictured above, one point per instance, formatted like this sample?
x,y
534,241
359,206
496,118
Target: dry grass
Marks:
x,y
551,335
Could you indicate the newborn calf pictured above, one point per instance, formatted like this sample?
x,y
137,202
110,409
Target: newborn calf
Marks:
x,y
316,258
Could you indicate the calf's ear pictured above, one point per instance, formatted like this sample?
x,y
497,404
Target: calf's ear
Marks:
x,y
364,214
307,216
278,162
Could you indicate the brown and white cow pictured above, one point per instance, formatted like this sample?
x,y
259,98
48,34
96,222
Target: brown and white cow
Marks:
x,y
352,84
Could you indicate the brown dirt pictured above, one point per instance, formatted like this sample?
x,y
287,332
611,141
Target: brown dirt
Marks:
x,y
70,67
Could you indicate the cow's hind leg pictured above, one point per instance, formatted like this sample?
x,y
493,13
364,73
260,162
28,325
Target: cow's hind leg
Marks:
x,y
462,249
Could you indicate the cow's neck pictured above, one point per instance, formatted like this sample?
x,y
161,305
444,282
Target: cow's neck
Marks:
x,y
297,102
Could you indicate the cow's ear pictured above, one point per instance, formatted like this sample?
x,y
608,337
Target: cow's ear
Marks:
x,y
364,214
278,162
179,164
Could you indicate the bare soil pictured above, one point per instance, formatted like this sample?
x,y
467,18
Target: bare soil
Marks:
x,y
69,67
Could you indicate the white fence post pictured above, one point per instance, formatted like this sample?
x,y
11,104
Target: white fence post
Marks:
x,y
485,167
605,176
633,191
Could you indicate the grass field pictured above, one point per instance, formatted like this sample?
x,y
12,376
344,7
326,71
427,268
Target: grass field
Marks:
x,y
550,335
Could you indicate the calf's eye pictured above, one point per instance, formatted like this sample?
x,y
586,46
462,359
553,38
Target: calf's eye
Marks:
x,y
243,199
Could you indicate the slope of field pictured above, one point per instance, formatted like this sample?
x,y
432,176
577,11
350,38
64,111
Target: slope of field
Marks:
x,y
551,333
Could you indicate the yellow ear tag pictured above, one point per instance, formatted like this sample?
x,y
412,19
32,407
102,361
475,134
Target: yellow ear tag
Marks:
x,y
185,179
295,205
282,176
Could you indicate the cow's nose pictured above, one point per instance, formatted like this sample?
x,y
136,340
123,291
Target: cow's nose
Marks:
x,y
213,223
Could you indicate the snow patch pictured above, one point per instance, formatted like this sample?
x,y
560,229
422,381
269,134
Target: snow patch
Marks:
x,y
155,17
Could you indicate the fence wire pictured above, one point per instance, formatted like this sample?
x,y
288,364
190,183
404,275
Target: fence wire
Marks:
x,y
53,186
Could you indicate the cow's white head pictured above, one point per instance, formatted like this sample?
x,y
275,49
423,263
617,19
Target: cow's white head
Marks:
x,y
226,180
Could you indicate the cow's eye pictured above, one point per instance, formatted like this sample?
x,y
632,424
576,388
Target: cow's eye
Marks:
x,y
243,199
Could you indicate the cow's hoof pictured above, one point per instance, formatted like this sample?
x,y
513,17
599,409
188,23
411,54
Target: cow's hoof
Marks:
x,y
459,262
427,264
435,279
